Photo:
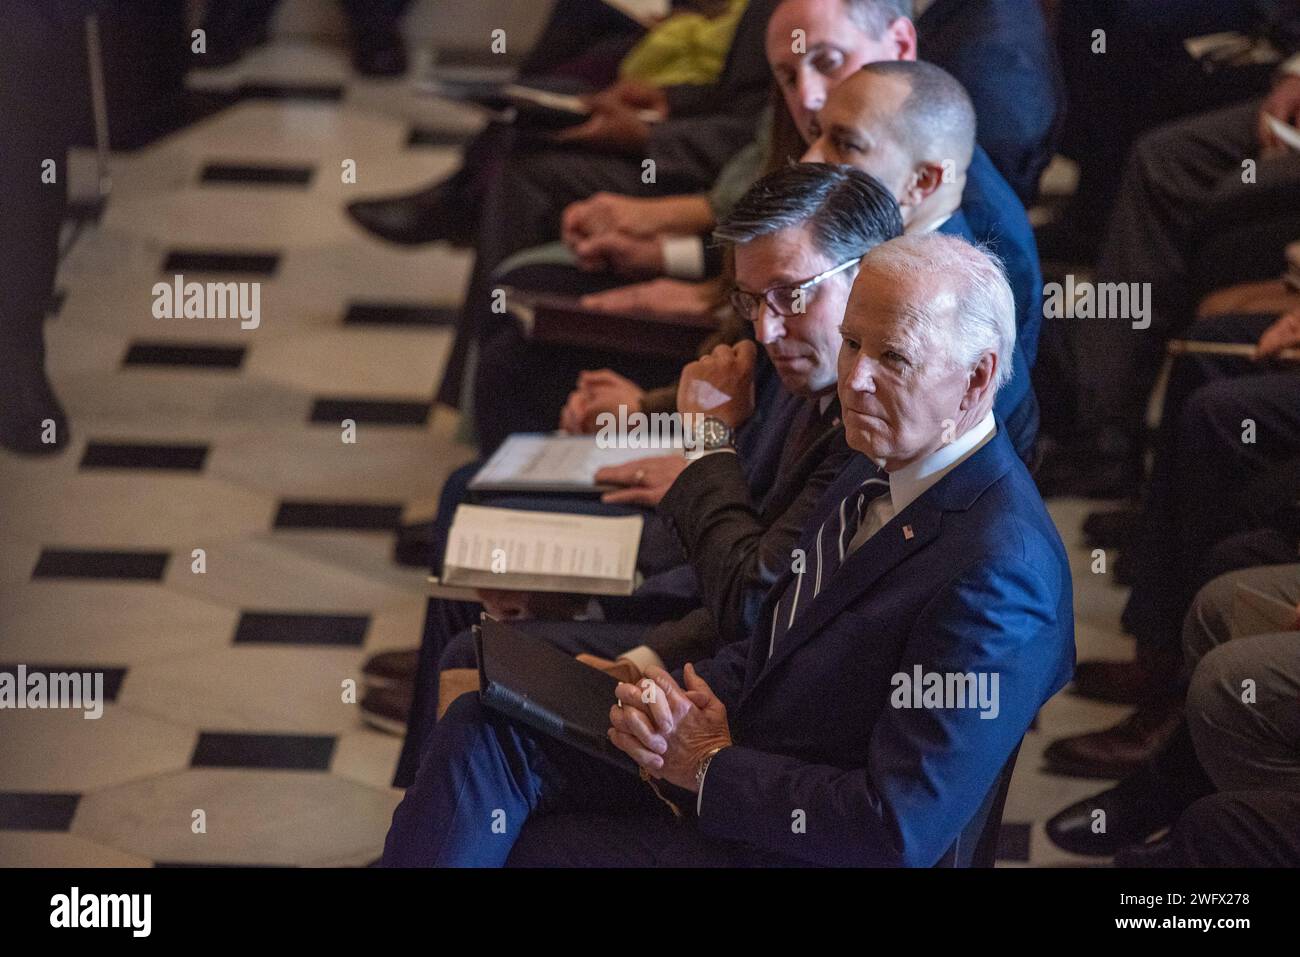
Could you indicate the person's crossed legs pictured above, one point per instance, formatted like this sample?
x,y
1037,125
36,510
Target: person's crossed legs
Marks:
x,y
483,778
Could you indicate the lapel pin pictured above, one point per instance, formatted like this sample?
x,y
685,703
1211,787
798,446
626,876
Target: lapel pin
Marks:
x,y
907,532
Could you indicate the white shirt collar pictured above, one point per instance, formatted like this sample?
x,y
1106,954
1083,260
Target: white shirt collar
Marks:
x,y
824,402
937,223
912,481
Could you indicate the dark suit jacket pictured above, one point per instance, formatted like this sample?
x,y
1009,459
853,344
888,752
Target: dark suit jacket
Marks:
x,y
736,544
1005,231
980,585
1001,52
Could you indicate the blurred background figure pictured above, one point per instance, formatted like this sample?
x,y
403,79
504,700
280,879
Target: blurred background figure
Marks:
x,y
235,26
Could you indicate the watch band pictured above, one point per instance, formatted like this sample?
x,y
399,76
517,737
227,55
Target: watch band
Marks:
x,y
704,766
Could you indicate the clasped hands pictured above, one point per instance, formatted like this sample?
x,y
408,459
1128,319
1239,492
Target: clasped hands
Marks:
x,y
666,729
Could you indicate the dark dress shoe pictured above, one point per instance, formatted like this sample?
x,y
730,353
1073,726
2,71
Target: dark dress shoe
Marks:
x,y
1159,853
414,545
379,54
1094,467
1119,751
1119,682
1127,682
387,709
30,412
1111,529
391,668
423,217
1129,815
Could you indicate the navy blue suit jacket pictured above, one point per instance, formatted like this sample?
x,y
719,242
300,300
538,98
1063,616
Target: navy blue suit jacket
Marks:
x,y
981,584
1001,52
999,217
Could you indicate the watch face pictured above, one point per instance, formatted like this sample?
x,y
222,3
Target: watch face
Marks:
x,y
715,433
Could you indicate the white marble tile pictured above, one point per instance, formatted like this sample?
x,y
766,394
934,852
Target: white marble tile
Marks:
x,y
176,405
388,363
18,557
63,751
253,688
48,849
384,465
106,623
367,757
252,817
369,555
258,574
396,628
130,508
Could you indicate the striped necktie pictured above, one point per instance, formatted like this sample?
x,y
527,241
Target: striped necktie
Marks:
x,y
829,549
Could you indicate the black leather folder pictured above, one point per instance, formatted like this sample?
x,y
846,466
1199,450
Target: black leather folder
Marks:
x,y
531,681
562,320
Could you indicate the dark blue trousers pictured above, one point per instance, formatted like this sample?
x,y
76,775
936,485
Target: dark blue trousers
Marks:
x,y
490,792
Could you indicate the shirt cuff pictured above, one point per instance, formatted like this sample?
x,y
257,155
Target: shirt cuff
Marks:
x,y
644,657
683,256
694,455
699,794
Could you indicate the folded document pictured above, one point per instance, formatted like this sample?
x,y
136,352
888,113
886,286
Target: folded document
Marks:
x,y
516,550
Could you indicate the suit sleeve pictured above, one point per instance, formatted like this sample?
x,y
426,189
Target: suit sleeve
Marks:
x,y
710,508
696,148
927,771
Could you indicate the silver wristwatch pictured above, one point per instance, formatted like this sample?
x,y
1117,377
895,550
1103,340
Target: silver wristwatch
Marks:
x,y
715,434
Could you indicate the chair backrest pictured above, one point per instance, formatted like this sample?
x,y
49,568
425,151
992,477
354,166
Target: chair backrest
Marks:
x,y
977,845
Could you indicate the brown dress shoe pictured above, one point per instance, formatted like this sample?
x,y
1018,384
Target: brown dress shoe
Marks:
x,y
387,709
1127,682
391,668
1116,752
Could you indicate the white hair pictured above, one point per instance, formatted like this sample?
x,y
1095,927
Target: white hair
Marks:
x,y
978,296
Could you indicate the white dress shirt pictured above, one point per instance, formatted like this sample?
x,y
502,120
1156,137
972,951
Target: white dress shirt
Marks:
x,y
912,481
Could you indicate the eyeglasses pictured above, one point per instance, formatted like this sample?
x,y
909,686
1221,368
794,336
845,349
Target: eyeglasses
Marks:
x,y
785,301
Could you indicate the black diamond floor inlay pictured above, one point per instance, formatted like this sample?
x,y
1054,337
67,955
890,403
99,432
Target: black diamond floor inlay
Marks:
x,y
264,175
290,91
343,515
170,354
1013,842
286,628
398,314
373,411
286,752
112,676
31,811
123,455
87,563
202,261
422,136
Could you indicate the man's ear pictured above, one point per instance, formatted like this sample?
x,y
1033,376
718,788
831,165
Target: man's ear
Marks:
x,y
926,178
902,37
980,381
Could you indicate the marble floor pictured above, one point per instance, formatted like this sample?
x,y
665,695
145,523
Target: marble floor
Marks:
x,y
159,549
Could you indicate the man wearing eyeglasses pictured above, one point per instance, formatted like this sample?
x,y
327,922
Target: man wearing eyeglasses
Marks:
x,y
932,555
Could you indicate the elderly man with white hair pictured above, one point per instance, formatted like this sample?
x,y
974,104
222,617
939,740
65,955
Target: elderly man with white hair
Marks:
x,y
874,715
